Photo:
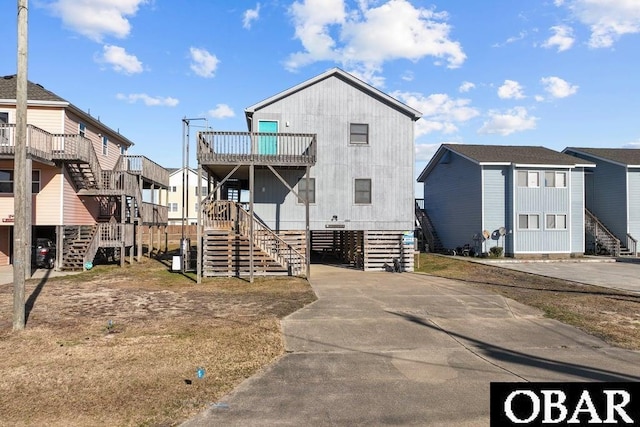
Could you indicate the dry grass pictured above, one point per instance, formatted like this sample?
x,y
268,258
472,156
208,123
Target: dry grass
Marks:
x,y
609,314
122,346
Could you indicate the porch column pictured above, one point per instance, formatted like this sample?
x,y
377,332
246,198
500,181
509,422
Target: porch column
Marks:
x,y
251,189
308,232
199,228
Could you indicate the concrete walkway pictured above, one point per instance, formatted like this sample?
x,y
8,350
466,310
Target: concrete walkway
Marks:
x,y
408,349
6,274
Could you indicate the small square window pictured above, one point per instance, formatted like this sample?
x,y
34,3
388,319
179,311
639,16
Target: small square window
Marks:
x,y
302,190
529,222
556,222
358,133
362,191
528,179
555,179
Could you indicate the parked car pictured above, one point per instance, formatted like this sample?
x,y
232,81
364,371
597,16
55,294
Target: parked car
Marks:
x,y
44,253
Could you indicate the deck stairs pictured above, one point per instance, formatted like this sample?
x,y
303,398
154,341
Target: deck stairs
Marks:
x,y
427,232
77,243
227,243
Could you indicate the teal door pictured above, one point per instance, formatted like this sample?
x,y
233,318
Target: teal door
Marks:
x,y
268,144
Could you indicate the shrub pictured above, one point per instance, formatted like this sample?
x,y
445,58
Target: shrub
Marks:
x,y
495,251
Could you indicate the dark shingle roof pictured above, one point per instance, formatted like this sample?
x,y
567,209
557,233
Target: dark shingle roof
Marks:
x,y
516,154
625,156
35,92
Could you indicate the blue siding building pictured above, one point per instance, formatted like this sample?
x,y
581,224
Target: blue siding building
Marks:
x,y
527,200
612,190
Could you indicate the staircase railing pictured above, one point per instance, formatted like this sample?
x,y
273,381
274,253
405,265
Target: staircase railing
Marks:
x,y
229,215
92,249
426,227
602,234
632,245
77,147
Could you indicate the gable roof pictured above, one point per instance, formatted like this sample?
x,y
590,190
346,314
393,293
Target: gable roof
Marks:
x,y
348,78
505,155
623,156
37,94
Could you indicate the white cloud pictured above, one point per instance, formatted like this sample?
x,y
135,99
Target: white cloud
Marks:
x,y
608,20
222,111
250,15
118,58
466,87
510,90
562,38
440,113
557,87
366,37
521,35
539,98
148,100
514,120
203,63
97,19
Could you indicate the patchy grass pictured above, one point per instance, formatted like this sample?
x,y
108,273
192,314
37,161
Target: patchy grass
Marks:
x,y
121,346
607,313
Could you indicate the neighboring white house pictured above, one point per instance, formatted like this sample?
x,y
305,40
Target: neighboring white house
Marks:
x,y
178,206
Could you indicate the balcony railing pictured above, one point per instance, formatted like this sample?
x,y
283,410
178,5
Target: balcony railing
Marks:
x,y
38,141
286,149
140,165
154,214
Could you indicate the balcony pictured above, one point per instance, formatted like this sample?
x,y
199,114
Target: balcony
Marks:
x,y
147,169
274,149
39,143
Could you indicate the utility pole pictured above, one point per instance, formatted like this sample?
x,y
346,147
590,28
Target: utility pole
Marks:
x,y
20,193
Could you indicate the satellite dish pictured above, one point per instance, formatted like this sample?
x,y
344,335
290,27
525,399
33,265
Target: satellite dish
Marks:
x,y
486,234
502,231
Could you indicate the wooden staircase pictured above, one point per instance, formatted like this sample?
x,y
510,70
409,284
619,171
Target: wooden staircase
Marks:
x,y
427,232
82,176
227,242
77,241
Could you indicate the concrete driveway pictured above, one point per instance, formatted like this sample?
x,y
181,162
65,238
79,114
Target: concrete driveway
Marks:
x,y
408,349
6,274
605,272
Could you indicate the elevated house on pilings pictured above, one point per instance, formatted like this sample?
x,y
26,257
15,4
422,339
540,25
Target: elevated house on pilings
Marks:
x,y
328,166
89,196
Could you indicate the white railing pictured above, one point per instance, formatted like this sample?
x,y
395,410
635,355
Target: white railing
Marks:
x,y
38,141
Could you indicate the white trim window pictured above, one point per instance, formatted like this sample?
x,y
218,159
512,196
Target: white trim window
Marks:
x,y
556,222
555,179
359,133
529,222
362,191
4,133
529,179
302,190
82,129
105,146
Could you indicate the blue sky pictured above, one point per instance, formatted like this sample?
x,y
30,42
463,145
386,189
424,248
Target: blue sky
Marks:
x,y
555,73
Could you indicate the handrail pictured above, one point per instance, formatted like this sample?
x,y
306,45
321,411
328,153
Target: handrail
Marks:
x,y
141,165
92,249
632,244
271,243
426,227
599,226
77,147
38,141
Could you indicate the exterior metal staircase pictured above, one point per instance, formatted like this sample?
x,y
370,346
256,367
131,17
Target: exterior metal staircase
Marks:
x,y
605,240
227,241
427,230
